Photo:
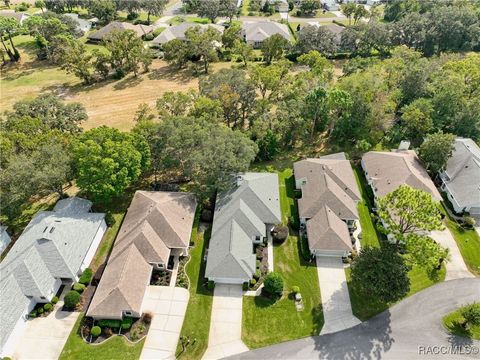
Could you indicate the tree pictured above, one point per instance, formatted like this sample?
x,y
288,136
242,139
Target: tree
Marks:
x,y
436,150
40,4
273,284
51,112
273,48
153,7
107,161
231,35
244,50
268,146
45,28
209,9
176,52
409,211
73,57
309,7
381,273
425,252
203,44
71,299
175,103
104,10
359,12
127,52
8,27
269,79
315,38
417,119
229,9
348,10
208,109
471,315
319,65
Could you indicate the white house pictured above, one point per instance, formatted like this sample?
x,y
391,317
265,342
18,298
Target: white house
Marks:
x,y
4,238
256,32
54,249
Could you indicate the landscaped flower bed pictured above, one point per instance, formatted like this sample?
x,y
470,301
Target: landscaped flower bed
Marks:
x,y
182,279
161,278
43,309
261,253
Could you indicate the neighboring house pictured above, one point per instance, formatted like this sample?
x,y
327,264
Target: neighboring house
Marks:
x,y
337,30
83,25
256,32
244,215
158,225
461,178
178,32
331,5
4,238
386,171
54,249
328,206
19,16
100,34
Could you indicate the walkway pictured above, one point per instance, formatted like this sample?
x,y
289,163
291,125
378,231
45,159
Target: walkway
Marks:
x,y
225,338
456,268
337,309
45,337
168,306
398,333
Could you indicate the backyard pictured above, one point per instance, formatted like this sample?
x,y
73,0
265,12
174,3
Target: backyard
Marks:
x,y
267,322
197,318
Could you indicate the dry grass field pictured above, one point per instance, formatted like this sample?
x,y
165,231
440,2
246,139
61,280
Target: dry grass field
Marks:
x,y
112,103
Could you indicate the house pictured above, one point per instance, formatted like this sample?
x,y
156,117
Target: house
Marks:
x,y
244,215
54,249
386,171
83,25
330,5
255,32
461,177
158,225
280,5
19,16
328,206
4,238
178,32
337,30
100,34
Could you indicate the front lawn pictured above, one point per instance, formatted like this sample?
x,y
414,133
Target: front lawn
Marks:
x,y
266,322
453,323
197,318
114,348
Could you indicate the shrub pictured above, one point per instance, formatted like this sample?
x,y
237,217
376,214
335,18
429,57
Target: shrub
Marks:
x,y
48,307
86,276
134,335
295,289
211,285
127,323
257,274
109,220
280,233
40,311
149,37
108,331
78,287
253,282
274,284
23,6
245,286
147,317
54,300
110,323
33,314
469,221
293,222
471,314
258,263
96,330
72,299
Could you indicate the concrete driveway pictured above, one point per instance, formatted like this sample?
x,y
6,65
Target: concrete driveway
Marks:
x,y
456,268
45,337
168,306
225,338
337,309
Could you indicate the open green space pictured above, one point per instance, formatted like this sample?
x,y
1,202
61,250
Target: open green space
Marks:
x,y
197,318
116,347
453,323
267,322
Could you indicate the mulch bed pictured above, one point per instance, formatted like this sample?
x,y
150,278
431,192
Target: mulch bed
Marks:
x,y
160,278
137,331
86,297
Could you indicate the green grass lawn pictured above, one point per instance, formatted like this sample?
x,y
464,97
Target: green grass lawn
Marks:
x,y
266,322
453,323
107,241
115,348
468,242
197,318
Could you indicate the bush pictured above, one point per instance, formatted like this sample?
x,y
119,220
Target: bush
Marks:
x,y
78,287
274,284
48,307
293,222
295,289
245,286
40,311
257,274
149,37
211,285
127,323
22,7
86,277
109,220
280,233
72,299
253,282
469,221
147,317
158,31
54,300
109,323
471,314
33,314
96,330
108,331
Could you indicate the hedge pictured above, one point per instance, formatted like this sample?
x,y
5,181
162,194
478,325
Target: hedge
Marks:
x,y
125,323
86,276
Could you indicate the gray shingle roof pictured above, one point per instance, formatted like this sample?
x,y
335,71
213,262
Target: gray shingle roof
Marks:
x,y
241,214
178,31
259,31
156,222
53,245
389,170
100,34
463,173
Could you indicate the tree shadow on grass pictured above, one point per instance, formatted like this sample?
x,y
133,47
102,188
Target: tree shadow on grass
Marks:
x,y
264,302
172,73
128,82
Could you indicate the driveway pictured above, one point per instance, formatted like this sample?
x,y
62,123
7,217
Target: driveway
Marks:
x,y
456,268
225,336
337,309
402,332
168,306
45,337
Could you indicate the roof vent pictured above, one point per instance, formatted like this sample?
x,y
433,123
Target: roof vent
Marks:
x,y
46,227
52,229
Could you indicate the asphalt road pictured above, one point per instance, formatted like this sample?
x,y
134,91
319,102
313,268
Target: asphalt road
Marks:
x,y
411,326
